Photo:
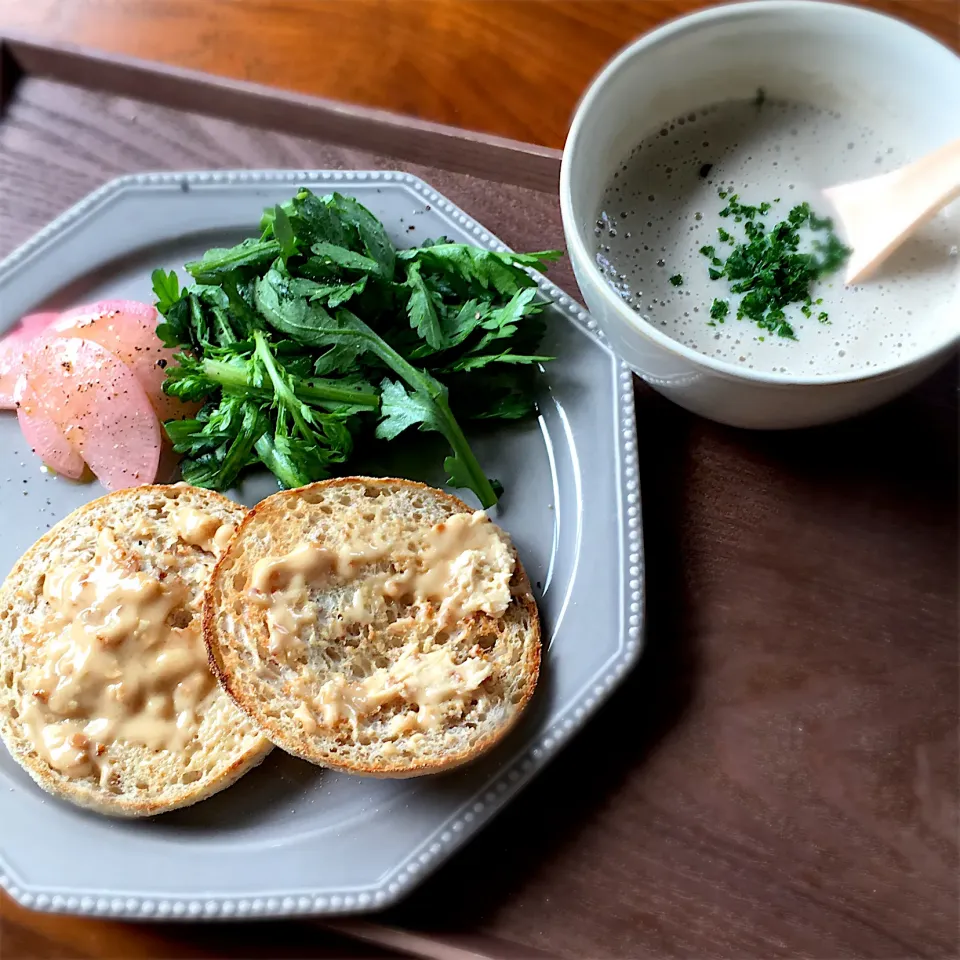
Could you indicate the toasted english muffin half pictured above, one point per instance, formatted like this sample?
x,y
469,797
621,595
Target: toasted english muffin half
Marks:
x,y
375,626
106,695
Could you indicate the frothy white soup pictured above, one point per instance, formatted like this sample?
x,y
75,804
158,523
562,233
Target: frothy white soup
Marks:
x,y
662,206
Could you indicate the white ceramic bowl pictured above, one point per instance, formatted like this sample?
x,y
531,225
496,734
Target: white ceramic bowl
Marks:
x,y
835,57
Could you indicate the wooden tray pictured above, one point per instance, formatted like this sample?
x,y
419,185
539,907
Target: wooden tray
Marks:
x,y
779,776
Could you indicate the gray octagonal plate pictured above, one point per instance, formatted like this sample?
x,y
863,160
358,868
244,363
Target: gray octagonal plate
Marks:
x,y
290,838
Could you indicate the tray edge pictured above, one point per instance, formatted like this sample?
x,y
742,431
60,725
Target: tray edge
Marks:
x,y
489,157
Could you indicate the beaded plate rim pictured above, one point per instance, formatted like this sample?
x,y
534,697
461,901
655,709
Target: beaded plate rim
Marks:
x,y
477,810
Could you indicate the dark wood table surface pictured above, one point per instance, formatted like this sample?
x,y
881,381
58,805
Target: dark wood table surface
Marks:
x,y
779,777
511,67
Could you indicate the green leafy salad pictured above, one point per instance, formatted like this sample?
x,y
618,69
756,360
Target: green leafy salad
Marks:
x,y
303,339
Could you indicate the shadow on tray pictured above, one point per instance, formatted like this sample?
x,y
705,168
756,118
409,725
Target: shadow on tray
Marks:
x,y
625,731
902,457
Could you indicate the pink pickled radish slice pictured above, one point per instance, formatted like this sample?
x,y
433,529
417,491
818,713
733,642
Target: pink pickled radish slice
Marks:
x,y
133,307
128,330
35,323
44,436
100,407
11,353
11,365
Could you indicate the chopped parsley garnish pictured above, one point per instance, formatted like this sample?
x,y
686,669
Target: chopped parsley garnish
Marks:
x,y
677,280
820,223
768,268
719,309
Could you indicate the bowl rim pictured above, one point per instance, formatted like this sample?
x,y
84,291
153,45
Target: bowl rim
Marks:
x,y
578,250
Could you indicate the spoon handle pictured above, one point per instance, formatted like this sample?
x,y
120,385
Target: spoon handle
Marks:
x,y
880,213
929,184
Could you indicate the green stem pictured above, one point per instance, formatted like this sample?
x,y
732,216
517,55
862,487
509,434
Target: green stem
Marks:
x,y
228,375
461,448
281,389
423,383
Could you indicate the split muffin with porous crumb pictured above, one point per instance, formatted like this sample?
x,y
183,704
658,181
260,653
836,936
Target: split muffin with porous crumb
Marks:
x,y
375,626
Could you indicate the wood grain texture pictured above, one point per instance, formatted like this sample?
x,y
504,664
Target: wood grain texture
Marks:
x,y
27,935
419,141
779,777
509,67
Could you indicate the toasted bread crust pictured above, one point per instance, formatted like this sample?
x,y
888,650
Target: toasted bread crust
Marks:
x,y
254,698
247,749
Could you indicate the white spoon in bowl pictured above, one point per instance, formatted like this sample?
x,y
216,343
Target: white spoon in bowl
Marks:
x,y
878,214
